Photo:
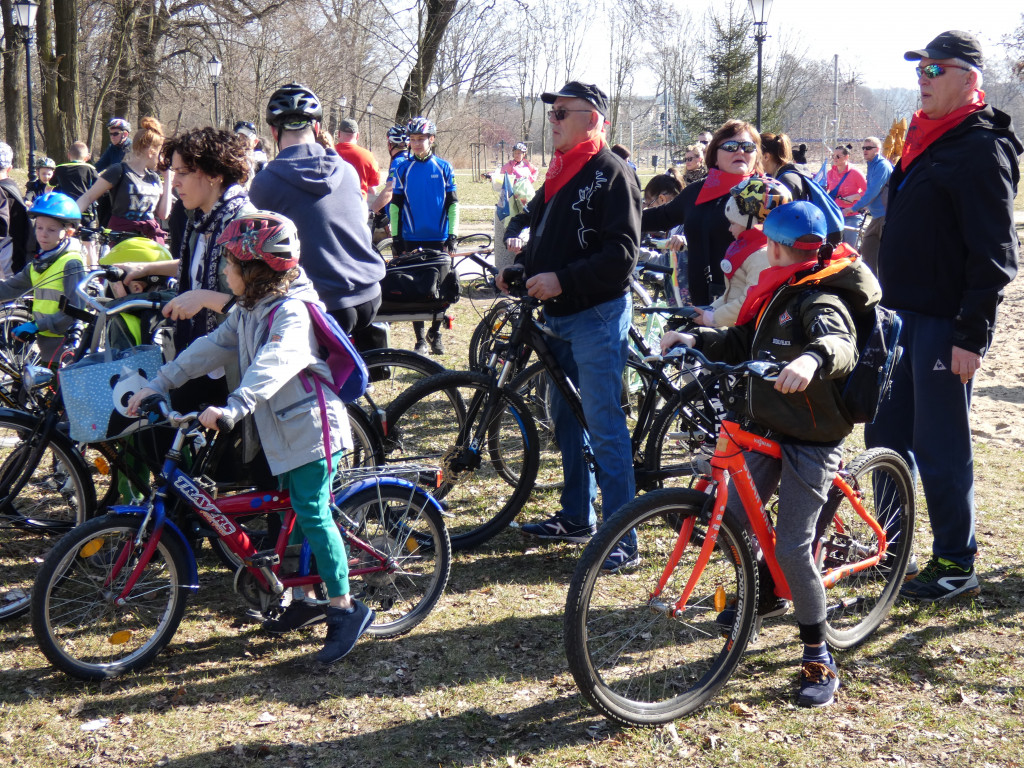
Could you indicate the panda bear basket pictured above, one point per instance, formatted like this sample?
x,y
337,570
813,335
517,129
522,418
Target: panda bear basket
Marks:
x,y
97,388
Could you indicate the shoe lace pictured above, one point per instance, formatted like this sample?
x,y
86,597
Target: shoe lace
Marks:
x,y
817,672
930,571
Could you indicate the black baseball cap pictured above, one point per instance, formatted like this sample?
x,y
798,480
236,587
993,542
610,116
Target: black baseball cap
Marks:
x,y
954,44
577,90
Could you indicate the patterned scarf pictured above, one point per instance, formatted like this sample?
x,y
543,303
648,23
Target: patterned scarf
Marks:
x,y
924,131
565,165
692,177
211,225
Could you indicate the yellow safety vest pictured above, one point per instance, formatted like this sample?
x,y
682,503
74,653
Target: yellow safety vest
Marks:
x,y
48,287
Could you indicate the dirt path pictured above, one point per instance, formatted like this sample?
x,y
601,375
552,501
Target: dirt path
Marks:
x,y
997,413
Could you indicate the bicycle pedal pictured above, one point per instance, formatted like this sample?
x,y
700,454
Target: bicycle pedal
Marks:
x,y
262,560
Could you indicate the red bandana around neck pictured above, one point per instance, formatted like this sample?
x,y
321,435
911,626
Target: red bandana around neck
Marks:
x,y
924,131
750,241
718,184
771,280
565,165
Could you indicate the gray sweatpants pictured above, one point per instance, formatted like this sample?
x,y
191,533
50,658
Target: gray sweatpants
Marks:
x,y
803,478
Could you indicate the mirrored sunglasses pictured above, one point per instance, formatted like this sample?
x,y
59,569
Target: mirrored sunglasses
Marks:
x,y
937,70
736,146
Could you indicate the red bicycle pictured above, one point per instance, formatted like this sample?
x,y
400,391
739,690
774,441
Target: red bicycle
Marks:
x,y
649,645
112,592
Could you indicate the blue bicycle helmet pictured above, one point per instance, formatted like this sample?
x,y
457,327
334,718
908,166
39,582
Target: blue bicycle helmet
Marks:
x,y
119,124
398,136
42,161
422,126
57,206
789,222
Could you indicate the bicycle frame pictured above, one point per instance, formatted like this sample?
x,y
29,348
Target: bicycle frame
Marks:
x,y
729,463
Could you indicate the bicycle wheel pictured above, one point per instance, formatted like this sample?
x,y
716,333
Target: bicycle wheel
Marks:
x,y
392,371
535,387
476,240
384,248
633,660
858,603
57,496
684,432
75,617
494,326
429,425
405,529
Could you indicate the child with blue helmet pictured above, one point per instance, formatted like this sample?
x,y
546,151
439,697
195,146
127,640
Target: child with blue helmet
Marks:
x,y
55,270
801,313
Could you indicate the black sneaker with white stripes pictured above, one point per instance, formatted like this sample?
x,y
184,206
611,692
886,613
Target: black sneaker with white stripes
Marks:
x,y
558,528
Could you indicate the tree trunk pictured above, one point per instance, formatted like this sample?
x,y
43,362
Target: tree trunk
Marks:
x,y
47,81
439,14
148,31
65,27
14,91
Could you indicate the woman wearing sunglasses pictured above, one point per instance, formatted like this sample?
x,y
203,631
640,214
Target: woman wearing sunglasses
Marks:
x,y
693,163
846,184
732,156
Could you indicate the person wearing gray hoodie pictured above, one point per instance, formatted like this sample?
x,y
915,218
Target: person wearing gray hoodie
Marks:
x,y
320,192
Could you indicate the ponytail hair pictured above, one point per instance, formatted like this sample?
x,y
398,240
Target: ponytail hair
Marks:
x,y
149,136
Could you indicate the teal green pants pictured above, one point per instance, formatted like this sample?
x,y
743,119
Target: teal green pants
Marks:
x,y
310,489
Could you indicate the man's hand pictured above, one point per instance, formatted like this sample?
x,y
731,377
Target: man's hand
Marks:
x,y
965,364
797,375
676,243
675,338
514,245
544,286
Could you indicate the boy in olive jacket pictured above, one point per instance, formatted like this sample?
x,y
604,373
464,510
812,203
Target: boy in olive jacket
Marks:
x,y
801,312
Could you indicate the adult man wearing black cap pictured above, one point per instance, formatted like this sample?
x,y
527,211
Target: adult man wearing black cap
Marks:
x,y
948,250
584,226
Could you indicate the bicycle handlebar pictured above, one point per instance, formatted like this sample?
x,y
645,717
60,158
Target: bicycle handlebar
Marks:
x,y
127,304
762,369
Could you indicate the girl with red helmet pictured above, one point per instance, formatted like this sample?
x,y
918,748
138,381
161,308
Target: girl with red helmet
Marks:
x,y
269,335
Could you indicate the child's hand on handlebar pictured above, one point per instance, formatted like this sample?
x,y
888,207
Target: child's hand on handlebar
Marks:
x,y
137,398
797,375
209,417
675,338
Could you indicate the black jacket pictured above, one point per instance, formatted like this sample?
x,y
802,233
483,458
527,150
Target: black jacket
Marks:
x,y
949,245
707,237
590,237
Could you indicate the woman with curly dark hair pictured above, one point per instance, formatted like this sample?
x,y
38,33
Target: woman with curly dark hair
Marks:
x,y
208,169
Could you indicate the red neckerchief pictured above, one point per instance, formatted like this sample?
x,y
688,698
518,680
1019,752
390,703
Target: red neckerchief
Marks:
x,y
750,241
771,280
565,165
924,131
718,184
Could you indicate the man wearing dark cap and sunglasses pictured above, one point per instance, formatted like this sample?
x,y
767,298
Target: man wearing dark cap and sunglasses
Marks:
x,y
948,250
584,227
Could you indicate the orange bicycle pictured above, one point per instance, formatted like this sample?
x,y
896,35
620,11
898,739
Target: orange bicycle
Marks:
x,y
648,646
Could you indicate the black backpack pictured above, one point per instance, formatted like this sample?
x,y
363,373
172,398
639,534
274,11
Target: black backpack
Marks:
x,y
23,239
424,277
878,342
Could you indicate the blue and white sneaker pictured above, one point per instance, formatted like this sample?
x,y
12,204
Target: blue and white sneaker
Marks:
x,y
559,528
343,630
624,557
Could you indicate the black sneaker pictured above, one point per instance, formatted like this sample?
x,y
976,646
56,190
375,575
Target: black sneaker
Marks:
x,y
558,528
766,609
343,630
941,579
298,615
436,343
819,682
421,347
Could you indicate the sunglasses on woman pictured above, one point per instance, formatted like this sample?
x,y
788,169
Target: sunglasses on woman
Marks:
x,y
690,158
736,146
937,70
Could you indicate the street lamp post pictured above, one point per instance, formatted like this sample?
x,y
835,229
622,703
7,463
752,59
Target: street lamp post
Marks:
x,y
369,127
342,103
760,9
213,66
25,19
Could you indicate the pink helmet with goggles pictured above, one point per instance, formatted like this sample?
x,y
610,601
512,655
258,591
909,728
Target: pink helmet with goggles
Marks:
x,y
262,236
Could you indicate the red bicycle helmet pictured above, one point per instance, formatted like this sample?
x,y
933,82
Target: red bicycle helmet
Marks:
x,y
263,236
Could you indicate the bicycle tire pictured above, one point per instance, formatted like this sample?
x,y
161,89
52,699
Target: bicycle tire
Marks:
x,y
494,326
404,527
383,247
392,371
475,240
632,661
58,495
683,433
857,604
75,620
427,425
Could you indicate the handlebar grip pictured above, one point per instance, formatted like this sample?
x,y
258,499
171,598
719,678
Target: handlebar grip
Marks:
x,y
515,278
114,274
225,424
660,269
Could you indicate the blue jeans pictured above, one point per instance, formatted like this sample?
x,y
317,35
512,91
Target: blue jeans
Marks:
x,y
925,420
850,235
592,347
